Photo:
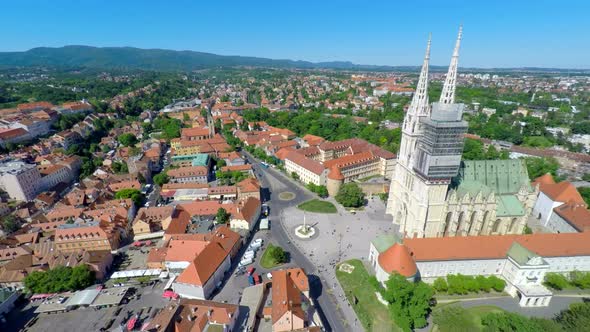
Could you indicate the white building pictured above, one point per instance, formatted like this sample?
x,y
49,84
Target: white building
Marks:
x,y
521,260
434,193
20,180
551,196
204,274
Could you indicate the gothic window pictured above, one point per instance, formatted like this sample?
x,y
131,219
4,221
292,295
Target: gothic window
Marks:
x,y
484,223
471,222
512,225
448,223
496,226
460,225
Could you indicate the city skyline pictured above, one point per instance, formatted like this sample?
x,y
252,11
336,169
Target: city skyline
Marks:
x,y
507,35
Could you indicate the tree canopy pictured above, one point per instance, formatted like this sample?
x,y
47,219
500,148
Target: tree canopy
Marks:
x,y
134,194
540,166
59,279
350,195
409,302
222,216
127,139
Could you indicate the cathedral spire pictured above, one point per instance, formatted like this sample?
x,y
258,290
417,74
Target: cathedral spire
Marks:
x,y
448,92
419,103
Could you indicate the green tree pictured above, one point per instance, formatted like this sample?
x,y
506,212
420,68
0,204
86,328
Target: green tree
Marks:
x,y
127,139
409,302
59,279
507,322
10,223
220,163
161,178
576,318
556,281
473,150
120,167
134,194
440,285
539,166
222,216
580,279
585,193
350,195
295,176
277,254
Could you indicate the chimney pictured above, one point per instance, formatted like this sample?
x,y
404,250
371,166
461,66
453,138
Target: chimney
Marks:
x,y
209,312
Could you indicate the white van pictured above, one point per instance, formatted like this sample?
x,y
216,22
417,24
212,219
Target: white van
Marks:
x,y
249,254
258,241
246,261
255,245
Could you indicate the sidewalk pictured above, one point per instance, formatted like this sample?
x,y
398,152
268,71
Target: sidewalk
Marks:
x,y
330,285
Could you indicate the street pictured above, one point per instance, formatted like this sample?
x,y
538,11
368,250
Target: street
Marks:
x,y
276,183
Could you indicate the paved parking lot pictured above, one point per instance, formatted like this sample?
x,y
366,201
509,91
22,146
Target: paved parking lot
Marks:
x,y
90,319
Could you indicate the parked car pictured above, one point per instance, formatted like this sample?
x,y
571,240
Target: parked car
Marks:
x,y
249,254
258,241
254,246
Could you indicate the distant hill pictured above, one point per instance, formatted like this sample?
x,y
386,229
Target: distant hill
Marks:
x,y
169,60
150,59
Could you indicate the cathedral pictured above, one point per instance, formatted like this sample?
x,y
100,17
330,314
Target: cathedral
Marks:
x,y
433,192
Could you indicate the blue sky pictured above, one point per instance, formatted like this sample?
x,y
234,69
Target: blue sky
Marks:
x,y
497,33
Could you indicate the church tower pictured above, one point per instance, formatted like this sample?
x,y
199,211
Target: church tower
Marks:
x,y
430,155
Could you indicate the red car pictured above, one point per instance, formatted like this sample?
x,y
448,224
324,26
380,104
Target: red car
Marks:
x,y
250,270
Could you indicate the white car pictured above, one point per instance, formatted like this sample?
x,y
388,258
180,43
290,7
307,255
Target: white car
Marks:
x,y
269,276
258,241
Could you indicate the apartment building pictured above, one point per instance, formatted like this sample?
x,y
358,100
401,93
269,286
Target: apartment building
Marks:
x,y
190,174
20,180
73,237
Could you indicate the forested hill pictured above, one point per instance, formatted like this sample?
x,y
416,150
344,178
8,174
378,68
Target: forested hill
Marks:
x,y
153,59
170,60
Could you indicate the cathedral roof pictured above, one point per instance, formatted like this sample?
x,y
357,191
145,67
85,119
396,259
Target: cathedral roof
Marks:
x,y
501,176
397,259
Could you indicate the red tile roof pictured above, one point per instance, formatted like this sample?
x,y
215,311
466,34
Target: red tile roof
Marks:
x,y
309,164
496,246
203,266
576,215
398,259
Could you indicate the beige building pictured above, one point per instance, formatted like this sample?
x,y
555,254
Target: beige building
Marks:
x,y
88,238
334,163
152,219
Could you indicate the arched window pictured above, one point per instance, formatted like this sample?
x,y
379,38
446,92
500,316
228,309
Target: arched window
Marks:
x,y
484,223
471,222
460,225
496,226
513,223
448,223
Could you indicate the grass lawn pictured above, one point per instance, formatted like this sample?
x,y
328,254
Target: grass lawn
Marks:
x,y
372,314
266,261
473,314
318,206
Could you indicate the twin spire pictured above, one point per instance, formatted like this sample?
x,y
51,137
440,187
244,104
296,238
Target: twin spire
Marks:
x,y
419,105
448,92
